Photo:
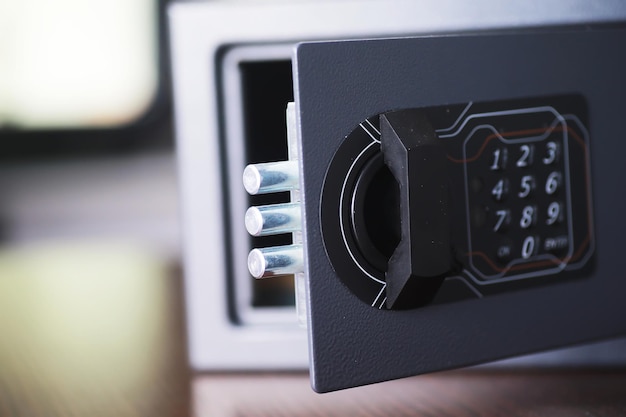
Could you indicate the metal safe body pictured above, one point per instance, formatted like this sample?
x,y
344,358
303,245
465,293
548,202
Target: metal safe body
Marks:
x,y
352,343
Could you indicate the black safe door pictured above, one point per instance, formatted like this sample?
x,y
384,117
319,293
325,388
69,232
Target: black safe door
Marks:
x,y
464,198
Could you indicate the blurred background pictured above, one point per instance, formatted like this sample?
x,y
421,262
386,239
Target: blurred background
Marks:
x,y
85,125
89,235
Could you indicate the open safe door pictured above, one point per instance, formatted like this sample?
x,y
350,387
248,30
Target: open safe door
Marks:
x,y
461,199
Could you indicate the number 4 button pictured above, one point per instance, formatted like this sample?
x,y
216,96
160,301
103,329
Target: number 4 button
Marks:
x,y
500,190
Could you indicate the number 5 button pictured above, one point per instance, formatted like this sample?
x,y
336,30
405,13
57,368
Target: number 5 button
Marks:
x,y
526,186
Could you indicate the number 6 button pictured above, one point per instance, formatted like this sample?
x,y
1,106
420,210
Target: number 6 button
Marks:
x,y
552,183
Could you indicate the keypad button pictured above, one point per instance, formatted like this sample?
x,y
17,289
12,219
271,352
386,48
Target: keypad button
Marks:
x,y
556,244
554,213
529,247
501,190
504,252
525,156
499,158
503,218
552,153
529,217
527,185
553,182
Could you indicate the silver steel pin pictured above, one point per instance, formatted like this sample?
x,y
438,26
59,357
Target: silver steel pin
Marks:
x,y
278,260
271,177
273,219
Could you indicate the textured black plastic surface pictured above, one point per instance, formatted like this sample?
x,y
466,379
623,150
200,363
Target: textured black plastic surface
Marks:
x,y
417,159
340,84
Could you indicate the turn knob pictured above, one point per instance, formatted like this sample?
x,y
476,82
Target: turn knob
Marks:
x,y
416,158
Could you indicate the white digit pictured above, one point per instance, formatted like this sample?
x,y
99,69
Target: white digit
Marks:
x,y
528,247
528,217
503,216
552,149
527,185
526,158
499,190
554,211
552,183
499,159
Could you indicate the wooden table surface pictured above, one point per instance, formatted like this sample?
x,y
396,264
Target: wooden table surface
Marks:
x,y
114,345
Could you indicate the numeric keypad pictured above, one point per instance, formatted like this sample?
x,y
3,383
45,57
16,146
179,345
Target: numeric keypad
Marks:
x,y
524,202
